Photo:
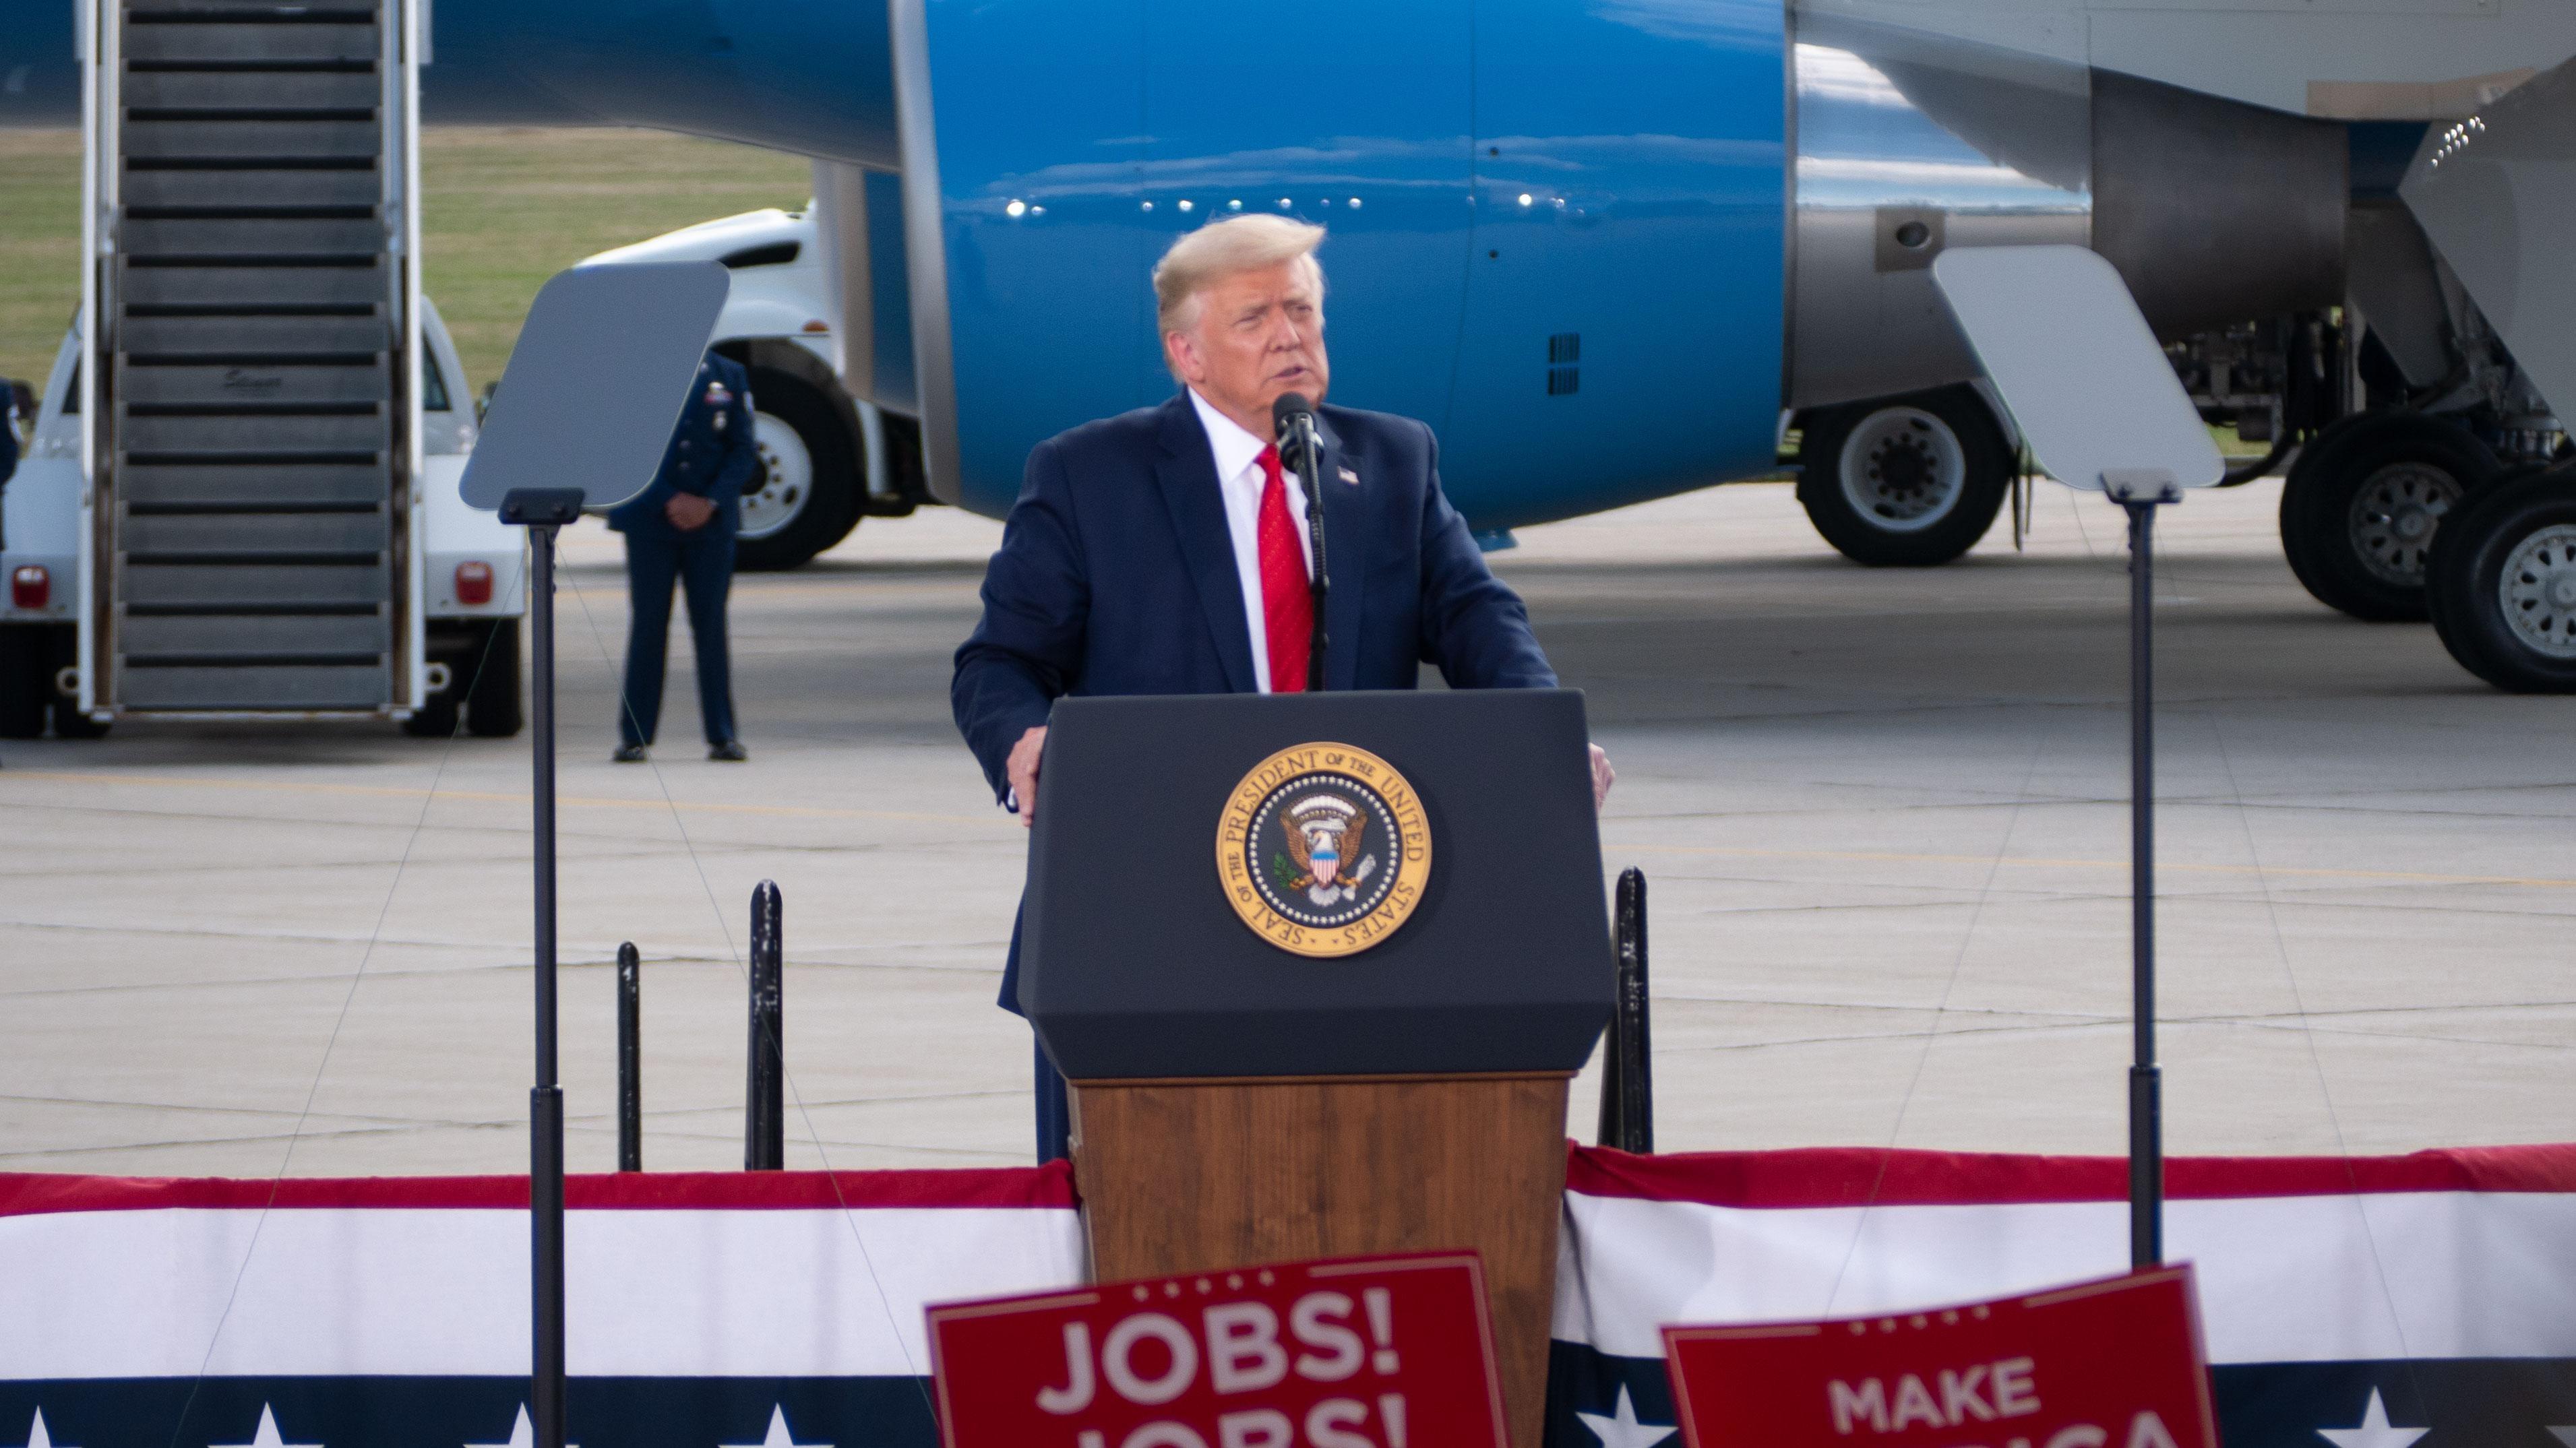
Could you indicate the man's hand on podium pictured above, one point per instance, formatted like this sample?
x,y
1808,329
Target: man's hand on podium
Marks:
x,y
1603,776
1021,769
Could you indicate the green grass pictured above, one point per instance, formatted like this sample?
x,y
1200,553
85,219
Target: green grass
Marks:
x,y
39,248
503,209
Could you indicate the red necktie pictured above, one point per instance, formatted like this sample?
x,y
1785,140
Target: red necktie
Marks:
x,y
1287,601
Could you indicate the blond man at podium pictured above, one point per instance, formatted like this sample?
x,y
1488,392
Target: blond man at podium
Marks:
x,y
1166,550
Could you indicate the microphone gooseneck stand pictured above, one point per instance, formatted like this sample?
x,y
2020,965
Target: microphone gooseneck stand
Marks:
x,y
1294,419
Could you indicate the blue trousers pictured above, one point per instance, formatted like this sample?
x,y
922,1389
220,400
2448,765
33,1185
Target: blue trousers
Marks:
x,y
1054,1105
700,560
1055,1112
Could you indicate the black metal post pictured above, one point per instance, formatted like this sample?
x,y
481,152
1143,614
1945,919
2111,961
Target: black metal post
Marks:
x,y
1627,1058
764,1138
542,511
2146,1109
630,1059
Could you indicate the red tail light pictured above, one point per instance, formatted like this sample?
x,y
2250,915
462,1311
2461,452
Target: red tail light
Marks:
x,y
473,582
30,586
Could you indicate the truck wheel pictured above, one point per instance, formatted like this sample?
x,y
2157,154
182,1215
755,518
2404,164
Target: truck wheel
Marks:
x,y
436,716
807,498
2361,506
1904,481
2505,571
495,702
63,648
456,646
71,723
26,681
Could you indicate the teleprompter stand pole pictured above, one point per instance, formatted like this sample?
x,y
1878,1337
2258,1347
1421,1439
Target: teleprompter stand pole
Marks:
x,y
542,511
2141,493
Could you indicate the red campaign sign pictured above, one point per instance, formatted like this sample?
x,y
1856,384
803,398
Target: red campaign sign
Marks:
x,y
2109,1364
1377,1352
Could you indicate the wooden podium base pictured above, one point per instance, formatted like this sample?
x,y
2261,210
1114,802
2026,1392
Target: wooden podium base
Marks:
x,y
1193,1175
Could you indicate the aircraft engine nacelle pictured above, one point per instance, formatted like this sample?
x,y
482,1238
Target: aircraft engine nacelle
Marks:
x,y
1908,143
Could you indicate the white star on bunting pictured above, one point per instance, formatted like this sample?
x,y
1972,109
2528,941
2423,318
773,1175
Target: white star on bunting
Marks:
x,y
266,1437
37,1437
523,1434
1619,1427
2373,1430
778,1434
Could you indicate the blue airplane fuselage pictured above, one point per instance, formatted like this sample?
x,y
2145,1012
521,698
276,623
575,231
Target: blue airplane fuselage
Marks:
x,y
1558,227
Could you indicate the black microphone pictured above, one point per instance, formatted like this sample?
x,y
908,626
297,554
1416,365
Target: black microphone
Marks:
x,y
1292,419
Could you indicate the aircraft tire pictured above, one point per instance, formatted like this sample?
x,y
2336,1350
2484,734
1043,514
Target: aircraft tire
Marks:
x,y
2363,504
2437,601
1904,482
2310,456
496,697
26,682
2502,579
808,498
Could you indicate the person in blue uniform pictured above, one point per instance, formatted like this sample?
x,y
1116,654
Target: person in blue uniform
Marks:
x,y
13,408
681,529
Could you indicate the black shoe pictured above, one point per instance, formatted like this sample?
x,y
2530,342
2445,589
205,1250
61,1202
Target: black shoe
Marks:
x,y
730,752
628,754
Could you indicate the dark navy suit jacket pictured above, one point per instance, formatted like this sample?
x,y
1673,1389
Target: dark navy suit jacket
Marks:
x,y
1116,576
712,453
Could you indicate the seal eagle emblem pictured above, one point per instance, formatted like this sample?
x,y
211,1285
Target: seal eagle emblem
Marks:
x,y
1323,849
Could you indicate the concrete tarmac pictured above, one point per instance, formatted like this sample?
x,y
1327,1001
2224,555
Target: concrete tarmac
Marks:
x,y
1884,815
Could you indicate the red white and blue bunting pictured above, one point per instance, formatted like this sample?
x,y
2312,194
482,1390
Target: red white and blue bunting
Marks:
x,y
2426,1301
763,1309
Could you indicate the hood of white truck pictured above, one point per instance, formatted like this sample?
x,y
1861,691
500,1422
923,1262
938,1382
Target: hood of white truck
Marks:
x,y
713,240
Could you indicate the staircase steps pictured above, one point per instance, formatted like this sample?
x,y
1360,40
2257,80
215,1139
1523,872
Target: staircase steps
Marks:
x,y
253,322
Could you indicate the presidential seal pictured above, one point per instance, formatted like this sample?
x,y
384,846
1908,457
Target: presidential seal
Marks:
x,y
1323,849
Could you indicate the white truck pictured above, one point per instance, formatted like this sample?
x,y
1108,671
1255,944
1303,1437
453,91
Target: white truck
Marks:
x,y
831,459
312,615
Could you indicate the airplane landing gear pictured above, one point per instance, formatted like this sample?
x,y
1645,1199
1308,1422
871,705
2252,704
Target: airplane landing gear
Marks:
x,y
1905,481
2502,583
2363,502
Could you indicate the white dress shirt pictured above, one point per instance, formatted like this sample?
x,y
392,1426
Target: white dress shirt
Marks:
x,y
1239,478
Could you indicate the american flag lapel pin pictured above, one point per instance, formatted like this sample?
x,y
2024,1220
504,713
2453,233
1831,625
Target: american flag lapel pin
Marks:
x,y
1348,476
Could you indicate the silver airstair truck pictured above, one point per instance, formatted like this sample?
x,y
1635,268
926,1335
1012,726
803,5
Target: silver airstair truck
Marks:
x,y
240,499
